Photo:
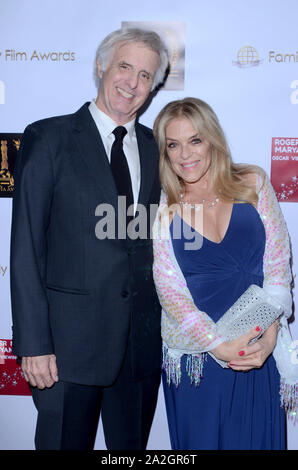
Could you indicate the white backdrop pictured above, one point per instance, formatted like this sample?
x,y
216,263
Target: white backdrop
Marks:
x,y
254,104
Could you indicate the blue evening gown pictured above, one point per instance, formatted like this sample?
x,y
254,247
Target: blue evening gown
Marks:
x,y
229,409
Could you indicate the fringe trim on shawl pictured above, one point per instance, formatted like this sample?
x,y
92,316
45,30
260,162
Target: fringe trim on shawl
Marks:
x,y
289,399
171,363
194,366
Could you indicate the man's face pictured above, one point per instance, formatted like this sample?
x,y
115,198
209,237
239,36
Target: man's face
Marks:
x,y
127,81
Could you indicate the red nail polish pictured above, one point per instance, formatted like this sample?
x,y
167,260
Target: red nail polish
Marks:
x,y
258,328
241,353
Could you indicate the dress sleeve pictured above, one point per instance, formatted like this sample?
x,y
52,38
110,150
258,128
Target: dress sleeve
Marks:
x,y
276,261
192,324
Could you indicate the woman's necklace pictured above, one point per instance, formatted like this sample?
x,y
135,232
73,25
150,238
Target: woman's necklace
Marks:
x,y
198,205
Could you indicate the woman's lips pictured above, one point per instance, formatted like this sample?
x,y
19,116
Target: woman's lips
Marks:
x,y
187,166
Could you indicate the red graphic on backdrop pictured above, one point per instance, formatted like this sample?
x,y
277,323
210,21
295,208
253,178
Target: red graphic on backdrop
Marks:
x,y
12,380
284,168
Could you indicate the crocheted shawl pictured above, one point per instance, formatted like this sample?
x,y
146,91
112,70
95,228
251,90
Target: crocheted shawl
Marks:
x,y
187,330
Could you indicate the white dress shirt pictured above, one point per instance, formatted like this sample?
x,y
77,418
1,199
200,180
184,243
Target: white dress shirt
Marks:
x,y
106,125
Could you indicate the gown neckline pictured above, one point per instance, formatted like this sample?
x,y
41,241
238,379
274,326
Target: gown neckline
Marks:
x,y
208,239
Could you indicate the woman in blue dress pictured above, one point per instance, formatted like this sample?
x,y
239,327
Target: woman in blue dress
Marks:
x,y
225,232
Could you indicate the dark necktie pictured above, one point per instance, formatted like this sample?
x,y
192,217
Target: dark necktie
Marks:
x,y
120,168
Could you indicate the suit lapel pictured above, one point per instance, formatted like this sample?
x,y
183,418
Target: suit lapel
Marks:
x,y
93,153
148,162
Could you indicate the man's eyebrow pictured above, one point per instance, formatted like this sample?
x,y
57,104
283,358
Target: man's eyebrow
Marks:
x,y
122,62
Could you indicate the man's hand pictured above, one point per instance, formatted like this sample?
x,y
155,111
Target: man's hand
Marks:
x,y
40,371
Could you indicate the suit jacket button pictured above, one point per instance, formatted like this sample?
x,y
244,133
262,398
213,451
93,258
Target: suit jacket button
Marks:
x,y
125,294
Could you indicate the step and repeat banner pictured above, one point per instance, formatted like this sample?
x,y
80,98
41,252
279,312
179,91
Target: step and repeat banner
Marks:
x,y
239,56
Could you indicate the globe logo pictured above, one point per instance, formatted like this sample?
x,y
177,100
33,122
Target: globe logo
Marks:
x,y
247,56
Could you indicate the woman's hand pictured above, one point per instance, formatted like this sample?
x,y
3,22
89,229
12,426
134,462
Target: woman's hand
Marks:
x,y
232,350
253,356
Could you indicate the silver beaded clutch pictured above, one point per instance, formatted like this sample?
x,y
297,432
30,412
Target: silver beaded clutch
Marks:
x,y
253,308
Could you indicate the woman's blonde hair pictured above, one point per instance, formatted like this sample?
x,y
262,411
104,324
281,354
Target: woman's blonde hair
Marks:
x,y
226,176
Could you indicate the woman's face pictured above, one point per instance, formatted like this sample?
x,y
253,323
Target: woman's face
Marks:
x,y
189,154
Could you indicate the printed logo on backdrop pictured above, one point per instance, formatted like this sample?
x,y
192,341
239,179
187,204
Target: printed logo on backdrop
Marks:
x,y
283,58
3,270
247,56
12,55
284,168
12,380
173,34
9,146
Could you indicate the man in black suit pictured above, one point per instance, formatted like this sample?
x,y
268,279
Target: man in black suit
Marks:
x,y
86,319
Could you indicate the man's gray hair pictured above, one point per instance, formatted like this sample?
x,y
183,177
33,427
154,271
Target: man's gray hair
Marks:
x,y
149,38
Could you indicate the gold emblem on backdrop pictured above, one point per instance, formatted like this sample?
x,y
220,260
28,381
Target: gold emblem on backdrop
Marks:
x,y
9,147
247,56
173,34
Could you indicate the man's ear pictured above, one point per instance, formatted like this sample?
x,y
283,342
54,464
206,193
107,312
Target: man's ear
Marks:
x,y
99,69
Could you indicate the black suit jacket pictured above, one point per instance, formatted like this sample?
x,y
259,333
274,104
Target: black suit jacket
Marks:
x,y
74,295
